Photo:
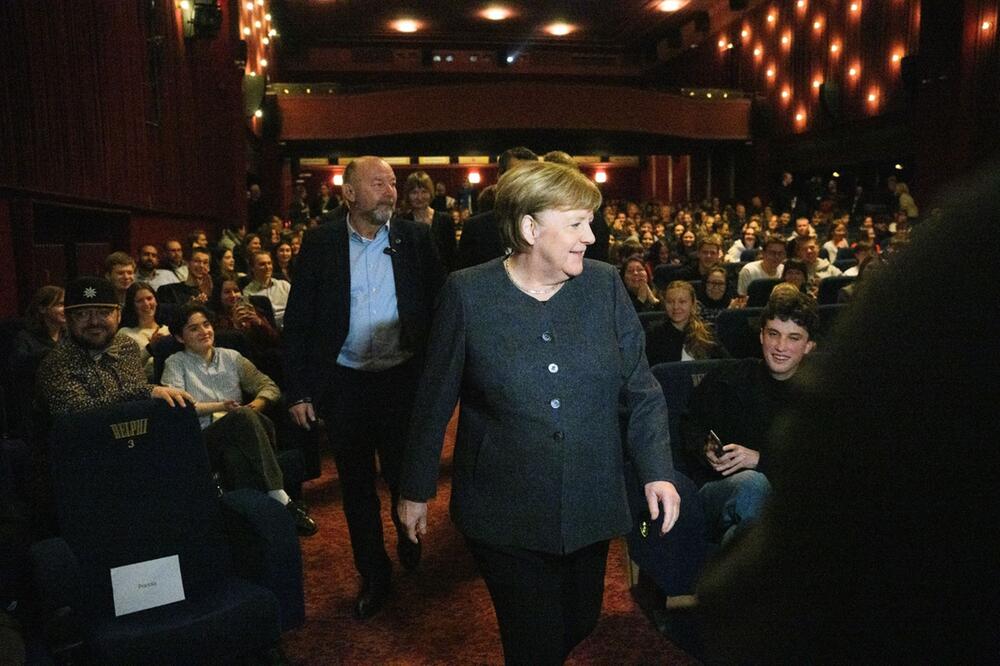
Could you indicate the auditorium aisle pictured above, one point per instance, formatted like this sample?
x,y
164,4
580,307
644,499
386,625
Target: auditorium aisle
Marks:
x,y
441,613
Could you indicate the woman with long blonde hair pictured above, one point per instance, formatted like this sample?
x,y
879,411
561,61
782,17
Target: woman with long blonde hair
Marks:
x,y
684,336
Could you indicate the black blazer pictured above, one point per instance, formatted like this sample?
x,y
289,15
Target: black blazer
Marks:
x,y
318,314
480,240
539,458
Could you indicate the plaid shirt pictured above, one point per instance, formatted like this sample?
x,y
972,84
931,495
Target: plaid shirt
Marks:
x,y
71,379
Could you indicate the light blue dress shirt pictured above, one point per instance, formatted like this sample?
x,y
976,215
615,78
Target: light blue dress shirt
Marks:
x,y
372,342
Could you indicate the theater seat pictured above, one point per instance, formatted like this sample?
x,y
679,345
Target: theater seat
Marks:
x,y
132,483
739,331
831,286
648,319
673,562
759,290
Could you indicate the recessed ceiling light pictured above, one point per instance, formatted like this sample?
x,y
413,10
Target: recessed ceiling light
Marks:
x,y
559,29
406,25
496,13
671,5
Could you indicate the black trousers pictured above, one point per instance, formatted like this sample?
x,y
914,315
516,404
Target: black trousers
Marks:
x,y
241,448
368,414
545,603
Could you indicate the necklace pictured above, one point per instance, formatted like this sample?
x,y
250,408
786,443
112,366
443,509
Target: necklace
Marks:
x,y
534,292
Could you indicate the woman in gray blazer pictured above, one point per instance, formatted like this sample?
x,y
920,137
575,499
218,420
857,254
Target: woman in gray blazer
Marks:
x,y
540,346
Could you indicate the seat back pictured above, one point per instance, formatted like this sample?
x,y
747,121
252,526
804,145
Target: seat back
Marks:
x,y
664,274
750,254
759,290
843,264
678,379
739,332
828,315
132,483
831,286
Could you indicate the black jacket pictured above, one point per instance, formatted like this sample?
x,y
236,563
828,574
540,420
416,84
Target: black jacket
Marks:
x,y
317,317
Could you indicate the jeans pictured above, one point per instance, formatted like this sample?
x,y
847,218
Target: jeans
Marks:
x,y
733,503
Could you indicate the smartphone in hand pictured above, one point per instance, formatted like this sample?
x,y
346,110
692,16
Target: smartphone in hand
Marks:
x,y
716,444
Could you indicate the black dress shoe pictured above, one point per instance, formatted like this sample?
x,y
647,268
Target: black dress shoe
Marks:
x,y
304,525
371,598
408,552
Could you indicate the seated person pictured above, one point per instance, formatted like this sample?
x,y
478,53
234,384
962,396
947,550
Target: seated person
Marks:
x,y
197,286
265,284
636,281
236,313
807,249
239,438
797,275
715,295
120,270
709,253
139,322
683,337
749,241
738,403
44,327
768,266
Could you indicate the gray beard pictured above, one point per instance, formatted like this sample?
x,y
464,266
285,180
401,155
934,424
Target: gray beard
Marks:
x,y
381,215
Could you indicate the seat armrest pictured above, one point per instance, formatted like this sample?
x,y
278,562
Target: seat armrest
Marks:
x,y
56,577
266,549
56,574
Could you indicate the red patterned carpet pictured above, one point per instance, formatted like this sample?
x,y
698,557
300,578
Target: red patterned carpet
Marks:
x,y
441,613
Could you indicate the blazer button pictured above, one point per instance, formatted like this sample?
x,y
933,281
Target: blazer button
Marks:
x,y
553,368
546,337
558,435
555,403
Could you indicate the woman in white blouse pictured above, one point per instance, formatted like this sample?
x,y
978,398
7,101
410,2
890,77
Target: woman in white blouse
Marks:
x,y
139,321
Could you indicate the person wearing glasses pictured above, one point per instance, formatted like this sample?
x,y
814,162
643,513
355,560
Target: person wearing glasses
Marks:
x,y
768,266
94,367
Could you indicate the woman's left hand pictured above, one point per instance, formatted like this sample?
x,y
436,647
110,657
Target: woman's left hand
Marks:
x,y
663,492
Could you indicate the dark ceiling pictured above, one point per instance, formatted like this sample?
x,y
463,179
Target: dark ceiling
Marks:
x,y
352,42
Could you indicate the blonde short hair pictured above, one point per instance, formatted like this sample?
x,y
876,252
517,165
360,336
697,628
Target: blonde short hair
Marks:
x,y
531,187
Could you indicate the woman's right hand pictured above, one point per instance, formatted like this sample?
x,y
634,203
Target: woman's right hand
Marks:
x,y
413,516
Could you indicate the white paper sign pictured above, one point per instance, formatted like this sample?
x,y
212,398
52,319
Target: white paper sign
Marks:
x,y
147,584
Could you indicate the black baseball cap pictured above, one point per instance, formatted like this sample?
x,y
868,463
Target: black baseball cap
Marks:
x,y
90,292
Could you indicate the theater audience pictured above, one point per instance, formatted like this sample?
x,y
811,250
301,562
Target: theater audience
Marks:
x,y
709,253
684,336
807,250
837,240
244,256
139,322
875,546
715,294
148,268
768,266
265,284
93,367
637,283
196,287
862,251
197,238
223,265
175,259
232,236
119,269
44,326
797,275
240,439
747,241
282,260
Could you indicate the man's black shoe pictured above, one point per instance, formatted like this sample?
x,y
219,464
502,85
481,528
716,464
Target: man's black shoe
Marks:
x,y
304,525
371,598
408,552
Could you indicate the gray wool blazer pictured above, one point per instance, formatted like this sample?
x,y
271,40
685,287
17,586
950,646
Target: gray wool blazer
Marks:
x,y
539,461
